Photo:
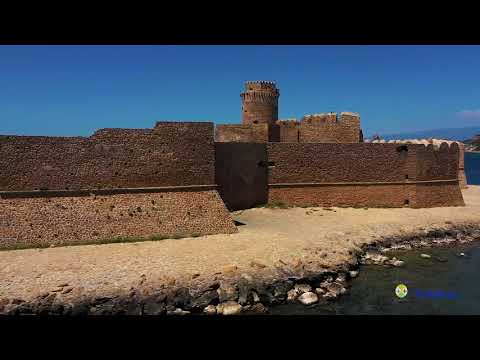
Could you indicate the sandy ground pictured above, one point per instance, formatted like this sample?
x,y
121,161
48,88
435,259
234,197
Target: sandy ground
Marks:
x,y
269,235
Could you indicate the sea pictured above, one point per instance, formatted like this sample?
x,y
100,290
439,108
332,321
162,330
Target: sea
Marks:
x,y
472,168
445,284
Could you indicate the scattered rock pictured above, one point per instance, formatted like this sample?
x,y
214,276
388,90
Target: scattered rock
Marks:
x,y
258,264
256,299
308,298
302,288
229,269
320,291
178,311
244,293
227,292
341,278
441,259
335,288
258,308
154,305
280,290
372,258
292,295
425,256
247,277
461,254
210,310
353,274
206,298
398,263
195,275
229,308
330,296
67,290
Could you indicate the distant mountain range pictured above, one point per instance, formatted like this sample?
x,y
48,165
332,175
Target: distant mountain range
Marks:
x,y
457,134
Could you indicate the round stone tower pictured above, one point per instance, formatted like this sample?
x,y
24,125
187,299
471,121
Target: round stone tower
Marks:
x,y
260,103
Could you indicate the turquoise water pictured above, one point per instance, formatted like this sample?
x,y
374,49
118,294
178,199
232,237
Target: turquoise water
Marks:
x,y
472,168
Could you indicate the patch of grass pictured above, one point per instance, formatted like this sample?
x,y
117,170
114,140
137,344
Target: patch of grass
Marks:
x,y
157,237
112,240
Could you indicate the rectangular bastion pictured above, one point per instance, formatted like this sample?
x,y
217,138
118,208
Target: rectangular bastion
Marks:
x,y
328,174
363,175
116,183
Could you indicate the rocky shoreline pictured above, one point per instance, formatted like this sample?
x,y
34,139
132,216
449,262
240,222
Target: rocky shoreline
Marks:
x,y
243,293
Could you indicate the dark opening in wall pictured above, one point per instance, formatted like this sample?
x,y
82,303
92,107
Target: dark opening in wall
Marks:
x,y
406,202
266,164
255,121
406,177
403,151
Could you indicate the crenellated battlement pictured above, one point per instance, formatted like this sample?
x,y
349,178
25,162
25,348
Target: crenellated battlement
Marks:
x,y
288,122
332,117
261,86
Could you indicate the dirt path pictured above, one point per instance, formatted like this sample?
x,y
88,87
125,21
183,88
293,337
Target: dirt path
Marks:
x,y
269,235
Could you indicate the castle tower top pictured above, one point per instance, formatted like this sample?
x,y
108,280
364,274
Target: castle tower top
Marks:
x,y
268,86
260,103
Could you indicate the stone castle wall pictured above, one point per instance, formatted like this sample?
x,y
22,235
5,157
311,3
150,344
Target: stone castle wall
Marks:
x,y
325,128
171,154
386,175
433,144
255,133
318,128
148,182
326,174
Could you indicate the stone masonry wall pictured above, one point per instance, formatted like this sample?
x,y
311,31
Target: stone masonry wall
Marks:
x,y
42,221
171,154
384,175
255,133
334,163
324,128
289,130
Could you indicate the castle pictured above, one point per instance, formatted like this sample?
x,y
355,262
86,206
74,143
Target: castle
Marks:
x,y
260,122
181,178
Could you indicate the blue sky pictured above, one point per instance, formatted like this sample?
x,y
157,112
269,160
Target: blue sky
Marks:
x,y
74,90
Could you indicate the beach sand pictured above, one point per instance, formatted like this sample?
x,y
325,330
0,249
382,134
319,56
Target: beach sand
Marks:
x,y
269,236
